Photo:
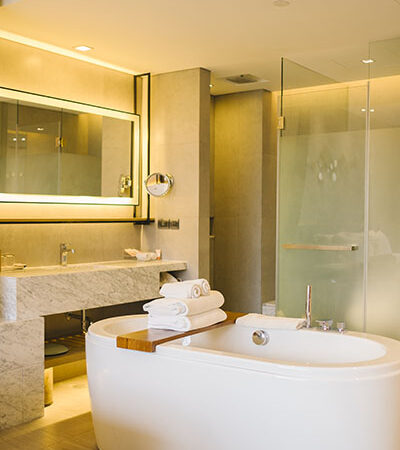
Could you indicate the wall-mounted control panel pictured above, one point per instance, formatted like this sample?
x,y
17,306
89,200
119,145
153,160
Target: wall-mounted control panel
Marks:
x,y
170,224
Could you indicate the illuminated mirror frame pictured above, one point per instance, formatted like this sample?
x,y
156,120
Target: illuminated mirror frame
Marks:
x,y
67,105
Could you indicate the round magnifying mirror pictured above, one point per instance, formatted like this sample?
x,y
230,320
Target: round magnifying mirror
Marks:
x,y
158,184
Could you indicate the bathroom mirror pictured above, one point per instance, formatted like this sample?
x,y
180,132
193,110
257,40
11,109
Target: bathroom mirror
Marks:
x,y
58,151
158,184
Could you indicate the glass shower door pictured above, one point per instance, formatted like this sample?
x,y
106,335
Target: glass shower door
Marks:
x,y
383,288
321,196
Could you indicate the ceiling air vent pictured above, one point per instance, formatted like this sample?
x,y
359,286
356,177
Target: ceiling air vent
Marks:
x,y
244,78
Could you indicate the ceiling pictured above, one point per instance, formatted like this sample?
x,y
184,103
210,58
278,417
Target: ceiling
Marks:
x,y
226,37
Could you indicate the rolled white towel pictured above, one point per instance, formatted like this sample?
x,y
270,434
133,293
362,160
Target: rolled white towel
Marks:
x,y
268,322
184,306
203,283
187,323
180,290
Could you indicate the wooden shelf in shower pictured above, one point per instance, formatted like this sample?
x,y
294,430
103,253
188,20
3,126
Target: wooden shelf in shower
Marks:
x,y
76,352
148,339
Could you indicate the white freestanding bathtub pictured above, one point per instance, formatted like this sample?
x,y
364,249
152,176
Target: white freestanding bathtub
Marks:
x,y
217,390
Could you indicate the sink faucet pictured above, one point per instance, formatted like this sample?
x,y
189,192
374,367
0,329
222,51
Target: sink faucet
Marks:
x,y
308,306
64,250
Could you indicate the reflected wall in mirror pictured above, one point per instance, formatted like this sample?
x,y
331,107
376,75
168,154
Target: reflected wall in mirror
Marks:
x,y
65,155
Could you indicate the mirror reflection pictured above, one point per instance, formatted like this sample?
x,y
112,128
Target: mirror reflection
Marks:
x,y
53,151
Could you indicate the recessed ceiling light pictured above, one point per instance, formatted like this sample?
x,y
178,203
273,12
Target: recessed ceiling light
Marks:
x,y
40,129
83,48
281,3
367,61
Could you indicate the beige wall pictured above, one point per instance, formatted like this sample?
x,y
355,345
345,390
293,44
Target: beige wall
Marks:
x,y
39,71
180,140
244,199
38,244
27,68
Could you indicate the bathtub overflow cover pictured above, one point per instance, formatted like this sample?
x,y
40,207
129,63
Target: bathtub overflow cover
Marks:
x,y
260,337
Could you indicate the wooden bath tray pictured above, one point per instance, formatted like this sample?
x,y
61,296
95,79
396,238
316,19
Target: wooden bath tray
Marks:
x,y
148,339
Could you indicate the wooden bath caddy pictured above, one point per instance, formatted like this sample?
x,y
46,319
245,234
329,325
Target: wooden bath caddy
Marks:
x,y
148,339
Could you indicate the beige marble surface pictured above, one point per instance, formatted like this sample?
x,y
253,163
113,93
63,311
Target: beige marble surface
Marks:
x,y
43,291
21,371
39,291
180,139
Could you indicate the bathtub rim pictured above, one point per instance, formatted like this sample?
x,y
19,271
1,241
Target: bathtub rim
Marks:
x,y
382,366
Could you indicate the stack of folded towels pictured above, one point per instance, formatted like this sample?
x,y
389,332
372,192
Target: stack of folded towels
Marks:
x,y
187,305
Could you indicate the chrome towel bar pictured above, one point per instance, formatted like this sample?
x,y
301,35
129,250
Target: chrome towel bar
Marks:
x,y
329,248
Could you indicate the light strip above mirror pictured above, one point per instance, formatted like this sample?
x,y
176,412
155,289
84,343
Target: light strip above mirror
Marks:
x,y
67,105
77,199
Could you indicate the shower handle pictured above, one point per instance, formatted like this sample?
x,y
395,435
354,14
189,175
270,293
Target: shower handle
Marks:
x,y
331,248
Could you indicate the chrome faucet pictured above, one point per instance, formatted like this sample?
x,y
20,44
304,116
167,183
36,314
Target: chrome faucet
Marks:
x,y
64,250
308,306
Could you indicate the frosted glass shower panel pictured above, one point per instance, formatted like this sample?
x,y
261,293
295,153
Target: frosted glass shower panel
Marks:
x,y
321,198
383,280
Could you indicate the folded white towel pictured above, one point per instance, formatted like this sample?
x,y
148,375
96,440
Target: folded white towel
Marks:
x,y
187,323
202,282
184,306
180,290
268,322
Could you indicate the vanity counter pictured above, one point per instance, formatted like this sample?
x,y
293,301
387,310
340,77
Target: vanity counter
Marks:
x,y
40,291
161,265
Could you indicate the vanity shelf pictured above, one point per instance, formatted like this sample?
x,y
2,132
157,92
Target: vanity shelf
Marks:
x,y
76,345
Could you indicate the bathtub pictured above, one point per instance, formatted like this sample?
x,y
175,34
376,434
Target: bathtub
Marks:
x,y
217,390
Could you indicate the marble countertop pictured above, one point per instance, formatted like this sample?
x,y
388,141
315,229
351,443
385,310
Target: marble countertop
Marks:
x,y
161,265
41,291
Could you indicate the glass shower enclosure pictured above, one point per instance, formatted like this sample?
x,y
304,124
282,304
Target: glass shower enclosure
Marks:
x,y
338,193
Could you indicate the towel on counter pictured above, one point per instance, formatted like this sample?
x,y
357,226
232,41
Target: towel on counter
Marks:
x,y
187,323
267,322
202,282
184,306
180,290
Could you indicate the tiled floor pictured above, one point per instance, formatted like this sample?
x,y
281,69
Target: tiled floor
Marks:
x,y
66,425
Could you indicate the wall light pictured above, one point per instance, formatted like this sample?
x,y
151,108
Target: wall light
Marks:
x,y
81,199
40,129
368,61
83,48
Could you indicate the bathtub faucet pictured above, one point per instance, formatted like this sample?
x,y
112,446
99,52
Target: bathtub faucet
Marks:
x,y
308,306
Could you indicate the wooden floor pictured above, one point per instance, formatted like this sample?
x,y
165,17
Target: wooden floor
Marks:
x,y
71,434
66,425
